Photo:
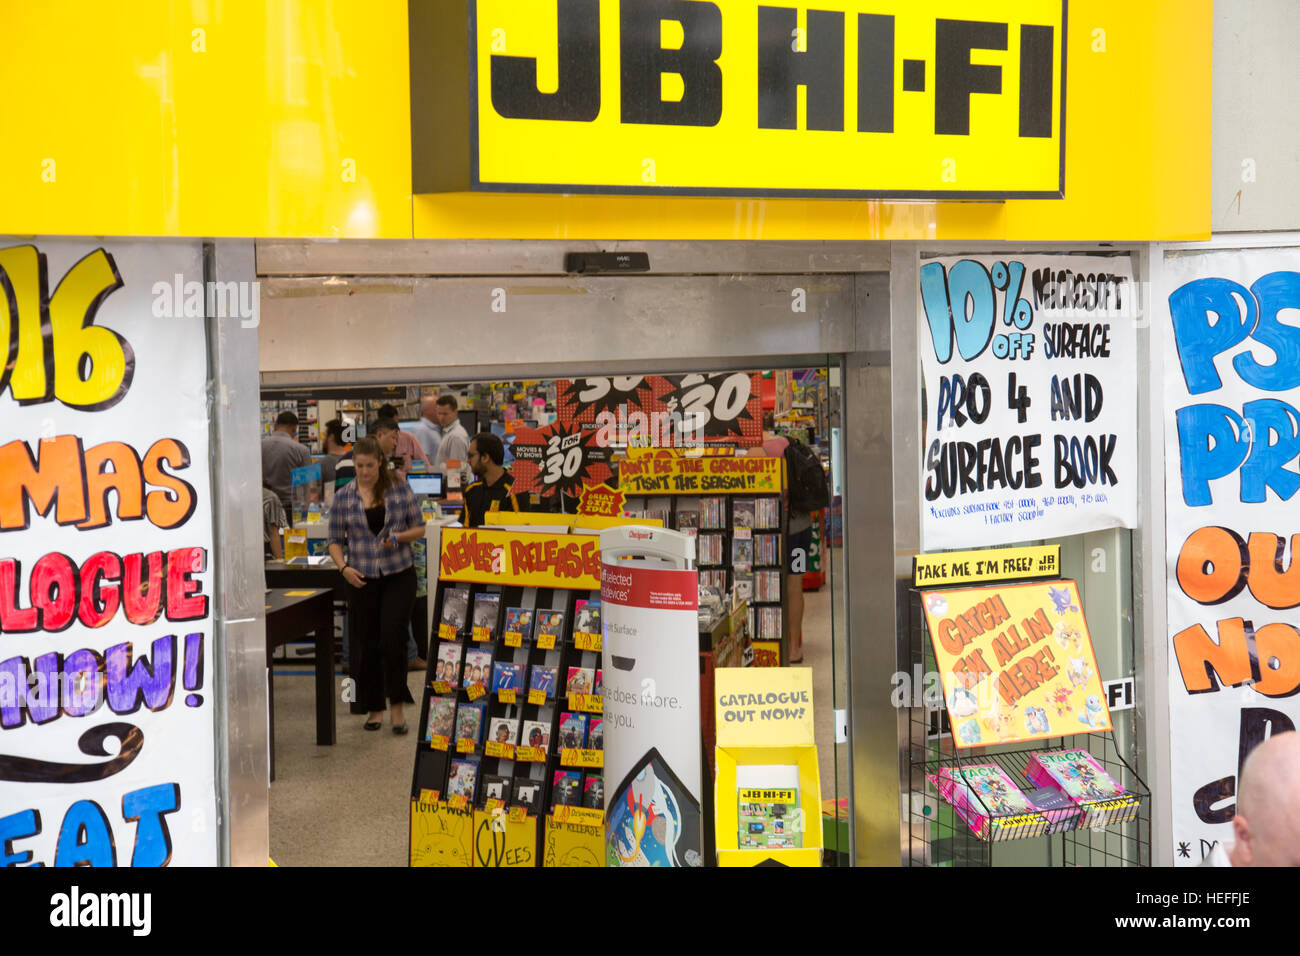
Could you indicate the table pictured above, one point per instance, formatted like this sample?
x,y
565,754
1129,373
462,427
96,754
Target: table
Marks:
x,y
292,615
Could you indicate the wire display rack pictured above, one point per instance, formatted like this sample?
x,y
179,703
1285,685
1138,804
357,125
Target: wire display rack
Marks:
x,y
1100,833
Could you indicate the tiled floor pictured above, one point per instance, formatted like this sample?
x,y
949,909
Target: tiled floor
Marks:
x,y
348,805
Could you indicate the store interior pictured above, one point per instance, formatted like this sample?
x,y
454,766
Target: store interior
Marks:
x,y
351,803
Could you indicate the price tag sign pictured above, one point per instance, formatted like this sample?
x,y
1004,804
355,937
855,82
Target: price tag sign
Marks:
x,y
465,745
492,805
538,697
546,641
475,691
441,687
482,633
514,639
458,801
439,742
589,703
742,534
578,816
517,814
428,796
448,632
587,642
530,754
496,749
573,757
506,695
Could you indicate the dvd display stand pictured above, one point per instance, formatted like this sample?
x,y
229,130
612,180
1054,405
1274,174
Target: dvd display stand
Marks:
x,y
511,746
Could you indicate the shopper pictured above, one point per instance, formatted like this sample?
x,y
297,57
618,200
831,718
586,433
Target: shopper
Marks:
x,y
1266,826
384,431
491,490
376,518
427,430
455,440
802,496
281,453
274,521
409,449
334,447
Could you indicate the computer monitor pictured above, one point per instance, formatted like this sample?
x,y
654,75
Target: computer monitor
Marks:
x,y
429,484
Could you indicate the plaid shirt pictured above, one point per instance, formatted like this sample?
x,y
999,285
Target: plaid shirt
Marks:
x,y
365,551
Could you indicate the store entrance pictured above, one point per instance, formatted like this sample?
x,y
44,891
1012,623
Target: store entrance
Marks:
x,y
761,562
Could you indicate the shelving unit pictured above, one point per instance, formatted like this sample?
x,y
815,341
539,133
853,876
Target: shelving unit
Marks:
x,y
938,836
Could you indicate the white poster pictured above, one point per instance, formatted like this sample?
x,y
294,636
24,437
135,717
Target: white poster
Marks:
x,y
652,714
106,696
1232,436
1030,398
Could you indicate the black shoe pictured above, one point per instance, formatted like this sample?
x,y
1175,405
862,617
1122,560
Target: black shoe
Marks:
x,y
401,730
372,724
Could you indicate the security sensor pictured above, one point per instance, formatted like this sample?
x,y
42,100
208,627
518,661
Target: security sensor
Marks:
x,y
596,263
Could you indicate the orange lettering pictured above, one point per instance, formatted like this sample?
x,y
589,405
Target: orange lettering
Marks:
x,y
124,478
172,506
1278,650
1212,565
1269,582
55,473
1203,663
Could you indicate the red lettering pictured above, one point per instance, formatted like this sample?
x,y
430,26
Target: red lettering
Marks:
x,y
185,601
54,590
99,601
14,618
141,599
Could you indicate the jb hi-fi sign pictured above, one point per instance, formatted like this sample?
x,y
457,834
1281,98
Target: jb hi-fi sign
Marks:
x,y
924,99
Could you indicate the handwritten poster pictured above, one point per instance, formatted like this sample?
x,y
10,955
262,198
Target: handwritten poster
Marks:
x,y
1030,398
665,411
106,697
1232,436
1016,663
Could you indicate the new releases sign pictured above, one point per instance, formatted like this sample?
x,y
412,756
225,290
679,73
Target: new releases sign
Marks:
x,y
922,99
1031,397
106,713
1232,438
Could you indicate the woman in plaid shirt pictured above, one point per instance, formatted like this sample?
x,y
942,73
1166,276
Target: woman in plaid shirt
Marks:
x,y
376,518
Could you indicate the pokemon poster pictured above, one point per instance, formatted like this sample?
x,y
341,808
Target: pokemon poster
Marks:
x,y
1016,663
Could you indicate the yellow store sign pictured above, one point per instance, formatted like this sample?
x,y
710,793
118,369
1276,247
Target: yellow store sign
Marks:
x,y
853,98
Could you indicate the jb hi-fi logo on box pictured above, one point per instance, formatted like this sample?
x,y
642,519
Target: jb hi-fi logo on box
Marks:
x,y
729,97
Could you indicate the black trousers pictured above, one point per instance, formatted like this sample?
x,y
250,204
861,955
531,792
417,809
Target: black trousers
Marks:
x,y
381,613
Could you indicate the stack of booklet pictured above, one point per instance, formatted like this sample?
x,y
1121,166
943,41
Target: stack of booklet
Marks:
x,y
1080,778
1073,790
989,801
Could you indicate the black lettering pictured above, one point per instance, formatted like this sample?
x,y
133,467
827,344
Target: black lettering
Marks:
x,y
1036,80
875,73
644,62
514,78
956,78
781,71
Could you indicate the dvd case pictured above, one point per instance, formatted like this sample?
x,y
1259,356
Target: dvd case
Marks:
x,y
487,611
442,718
596,734
461,779
536,733
455,608
519,620
493,787
507,676
478,667
543,678
566,789
504,730
586,618
549,622
527,793
573,730
447,666
593,791
469,722
580,680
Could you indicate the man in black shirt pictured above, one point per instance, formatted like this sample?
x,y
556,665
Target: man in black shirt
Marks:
x,y
491,489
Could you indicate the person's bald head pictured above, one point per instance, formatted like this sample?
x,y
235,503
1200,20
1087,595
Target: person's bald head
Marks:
x,y
429,408
1267,823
